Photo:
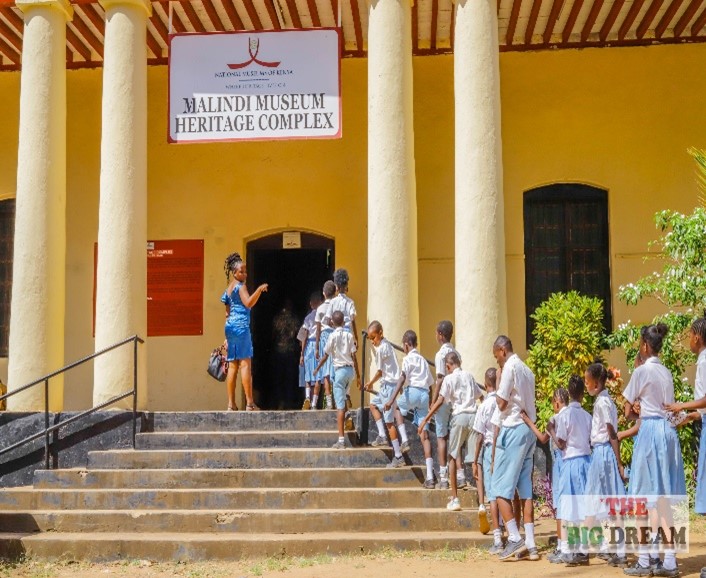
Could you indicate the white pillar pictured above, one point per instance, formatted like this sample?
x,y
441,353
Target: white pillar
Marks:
x,y
121,292
480,295
393,293
38,278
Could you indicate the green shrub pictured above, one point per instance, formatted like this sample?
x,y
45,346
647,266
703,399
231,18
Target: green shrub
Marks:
x,y
568,337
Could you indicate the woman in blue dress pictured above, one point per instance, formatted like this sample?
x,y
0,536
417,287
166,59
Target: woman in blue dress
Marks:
x,y
239,302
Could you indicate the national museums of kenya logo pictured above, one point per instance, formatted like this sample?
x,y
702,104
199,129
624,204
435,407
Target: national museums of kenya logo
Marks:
x,y
254,49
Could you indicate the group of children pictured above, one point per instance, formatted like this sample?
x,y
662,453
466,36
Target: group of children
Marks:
x,y
496,424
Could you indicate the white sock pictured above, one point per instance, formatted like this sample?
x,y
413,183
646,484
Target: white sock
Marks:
x,y
497,537
643,557
341,440
670,559
512,531
308,392
529,535
381,427
430,468
460,477
396,447
444,472
314,399
403,432
329,402
481,508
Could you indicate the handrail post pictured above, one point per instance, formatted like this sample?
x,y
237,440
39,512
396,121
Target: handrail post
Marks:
x,y
363,415
46,424
134,392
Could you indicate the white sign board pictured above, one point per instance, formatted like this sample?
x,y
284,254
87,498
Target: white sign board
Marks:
x,y
234,86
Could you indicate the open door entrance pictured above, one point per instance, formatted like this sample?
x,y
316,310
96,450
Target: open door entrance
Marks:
x,y
293,274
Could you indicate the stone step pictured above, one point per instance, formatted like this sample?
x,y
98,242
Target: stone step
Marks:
x,y
377,477
229,499
168,547
241,521
247,439
245,458
225,421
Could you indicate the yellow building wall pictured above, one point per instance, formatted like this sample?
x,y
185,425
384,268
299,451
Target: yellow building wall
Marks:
x,y
621,119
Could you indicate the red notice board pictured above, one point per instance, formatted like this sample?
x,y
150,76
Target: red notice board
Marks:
x,y
175,287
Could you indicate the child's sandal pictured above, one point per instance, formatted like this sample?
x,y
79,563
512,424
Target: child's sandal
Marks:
x,y
252,407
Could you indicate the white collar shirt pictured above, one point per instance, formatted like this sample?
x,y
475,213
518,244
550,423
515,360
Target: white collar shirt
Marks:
x,y
482,423
573,426
604,413
439,363
386,361
700,381
461,391
517,388
321,315
416,370
653,385
345,305
340,347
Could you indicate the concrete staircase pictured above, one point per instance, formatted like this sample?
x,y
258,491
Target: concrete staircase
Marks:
x,y
231,485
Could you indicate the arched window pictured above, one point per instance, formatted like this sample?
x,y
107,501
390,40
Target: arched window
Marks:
x,y
566,245
7,238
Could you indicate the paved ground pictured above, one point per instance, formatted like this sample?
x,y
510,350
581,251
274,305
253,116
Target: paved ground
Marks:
x,y
449,564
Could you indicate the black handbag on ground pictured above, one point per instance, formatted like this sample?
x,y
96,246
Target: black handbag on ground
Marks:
x,y
217,364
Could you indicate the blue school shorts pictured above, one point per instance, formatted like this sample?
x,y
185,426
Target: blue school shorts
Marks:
x,y
700,506
415,400
341,380
487,476
514,459
442,419
380,399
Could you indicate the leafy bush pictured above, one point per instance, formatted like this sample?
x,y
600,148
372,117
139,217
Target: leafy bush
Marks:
x,y
568,337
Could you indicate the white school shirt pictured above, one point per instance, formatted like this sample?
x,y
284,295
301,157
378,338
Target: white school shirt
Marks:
x,y
416,370
386,362
482,423
321,315
461,391
309,324
517,387
700,382
341,347
652,383
574,427
345,305
439,363
604,413
552,419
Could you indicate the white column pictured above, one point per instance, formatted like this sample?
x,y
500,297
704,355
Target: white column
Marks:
x,y
393,293
480,295
38,278
121,292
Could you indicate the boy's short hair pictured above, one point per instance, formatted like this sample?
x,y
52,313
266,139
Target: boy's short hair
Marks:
x,y
375,326
503,342
446,329
329,289
340,278
490,377
337,319
452,358
410,337
315,297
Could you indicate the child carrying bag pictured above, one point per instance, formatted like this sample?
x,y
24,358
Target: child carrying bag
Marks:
x,y
217,364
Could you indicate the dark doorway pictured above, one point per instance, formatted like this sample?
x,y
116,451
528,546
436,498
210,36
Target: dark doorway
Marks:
x,y
292,274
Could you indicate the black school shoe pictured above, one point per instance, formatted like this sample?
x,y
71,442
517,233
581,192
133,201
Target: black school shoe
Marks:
x,y
575,559
637,570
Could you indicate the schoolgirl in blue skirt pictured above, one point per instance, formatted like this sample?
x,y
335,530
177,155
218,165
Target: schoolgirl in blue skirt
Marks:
x,y
697,344
307,335
657,466
605,473
323,332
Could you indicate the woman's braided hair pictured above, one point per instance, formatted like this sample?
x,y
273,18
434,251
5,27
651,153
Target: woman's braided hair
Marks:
x,y
231,263
699,327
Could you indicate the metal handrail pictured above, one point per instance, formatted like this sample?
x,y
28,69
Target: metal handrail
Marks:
x,y
364,421
135,339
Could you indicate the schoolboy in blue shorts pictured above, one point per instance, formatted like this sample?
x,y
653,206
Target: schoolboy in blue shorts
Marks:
x,y
416,380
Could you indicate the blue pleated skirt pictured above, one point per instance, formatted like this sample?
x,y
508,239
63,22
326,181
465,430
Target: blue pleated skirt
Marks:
x,y
700,507
327,368
310,361
572,484
657,467
603,475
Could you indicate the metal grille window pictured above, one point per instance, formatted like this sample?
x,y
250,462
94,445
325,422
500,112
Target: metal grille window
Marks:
x,y
566,245
7,237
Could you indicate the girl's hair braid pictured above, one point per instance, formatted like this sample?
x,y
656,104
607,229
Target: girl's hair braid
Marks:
x,y
231,262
